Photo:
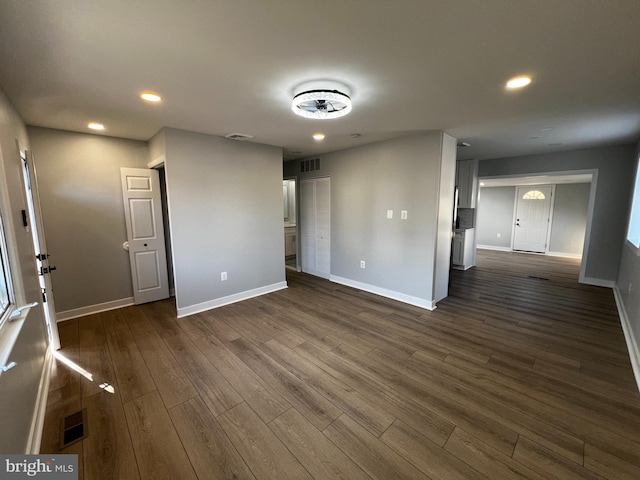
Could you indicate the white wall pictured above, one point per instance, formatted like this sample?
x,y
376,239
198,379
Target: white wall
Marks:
x,y
83,214
19,387
225,211
402,174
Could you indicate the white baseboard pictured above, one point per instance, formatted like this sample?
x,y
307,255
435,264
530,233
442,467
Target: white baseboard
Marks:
x,y
37,422
632,344
383,292
598,282
100,307
565,255
491,247
236,297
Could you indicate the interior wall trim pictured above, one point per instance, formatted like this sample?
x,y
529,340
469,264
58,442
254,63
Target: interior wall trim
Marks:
x,y
383,292
598,282
632,344
236,297
37,423
491,247
90,309
577,256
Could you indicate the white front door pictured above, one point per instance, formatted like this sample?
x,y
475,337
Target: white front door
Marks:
x,y
145,234
315,228
34,221
533,210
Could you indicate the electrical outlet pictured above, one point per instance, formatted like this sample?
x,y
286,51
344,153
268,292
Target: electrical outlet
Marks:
x,y
403,215
223,276
362,264
498,235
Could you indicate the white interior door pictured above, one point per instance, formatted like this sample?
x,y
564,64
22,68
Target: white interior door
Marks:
x,y
145,234
315,228
533,209
40,247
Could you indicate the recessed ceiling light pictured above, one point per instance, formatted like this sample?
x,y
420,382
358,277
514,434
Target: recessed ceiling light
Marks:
x,y
96,126
150,97
518,82
318,136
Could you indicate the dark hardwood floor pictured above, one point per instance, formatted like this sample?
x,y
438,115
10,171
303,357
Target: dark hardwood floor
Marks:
x,y
520,373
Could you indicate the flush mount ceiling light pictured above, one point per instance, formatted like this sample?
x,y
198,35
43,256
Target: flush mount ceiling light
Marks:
x,y
152,97
96,126
518,82
318,136
321,100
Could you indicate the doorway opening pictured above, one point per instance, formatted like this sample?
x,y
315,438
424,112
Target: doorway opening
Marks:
x,y
290,210
42,265
145,234
165,223
565,233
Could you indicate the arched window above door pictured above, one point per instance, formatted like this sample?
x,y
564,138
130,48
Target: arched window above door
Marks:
x,y
533,195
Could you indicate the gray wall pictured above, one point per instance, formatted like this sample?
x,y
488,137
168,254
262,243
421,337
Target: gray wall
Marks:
x,y
628,289
615,166
225,211
495,216
83,213
19,387
401,174
569,218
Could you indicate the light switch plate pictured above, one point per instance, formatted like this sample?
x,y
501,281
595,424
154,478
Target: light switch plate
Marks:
x,y
403,215
389,213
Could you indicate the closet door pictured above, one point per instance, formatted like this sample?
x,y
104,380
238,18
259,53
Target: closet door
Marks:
x,y
315,228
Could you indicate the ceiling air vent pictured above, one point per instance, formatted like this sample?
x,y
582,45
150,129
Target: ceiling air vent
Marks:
x,y
238,136
310,165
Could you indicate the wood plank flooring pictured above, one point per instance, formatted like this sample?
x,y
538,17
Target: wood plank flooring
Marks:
x,y
521,373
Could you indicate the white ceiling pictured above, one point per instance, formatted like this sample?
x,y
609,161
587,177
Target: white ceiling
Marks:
x,y
231,65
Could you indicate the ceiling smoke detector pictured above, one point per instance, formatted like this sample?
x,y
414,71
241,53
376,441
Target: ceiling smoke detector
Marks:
x,y
321,100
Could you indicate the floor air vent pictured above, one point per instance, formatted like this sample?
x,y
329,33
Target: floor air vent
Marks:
x,y
74,428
